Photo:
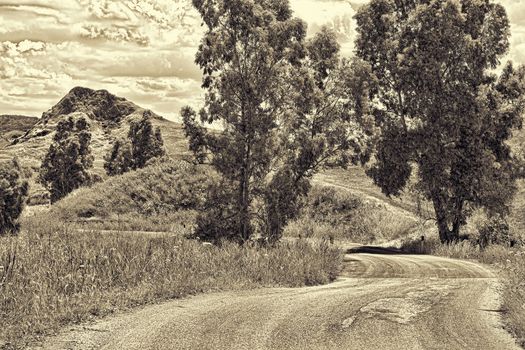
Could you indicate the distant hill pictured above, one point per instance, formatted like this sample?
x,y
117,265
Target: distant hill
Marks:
x,y
109,117
14,126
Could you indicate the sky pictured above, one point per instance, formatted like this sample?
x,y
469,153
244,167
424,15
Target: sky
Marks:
x,y
142,50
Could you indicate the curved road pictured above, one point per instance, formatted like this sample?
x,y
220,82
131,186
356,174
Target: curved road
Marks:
x,y
382,301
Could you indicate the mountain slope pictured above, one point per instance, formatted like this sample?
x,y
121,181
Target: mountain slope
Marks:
x,y
109,117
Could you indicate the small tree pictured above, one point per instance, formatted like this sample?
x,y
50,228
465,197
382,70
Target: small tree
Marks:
x,y
443,111
119,159
143,144
13,194
68,160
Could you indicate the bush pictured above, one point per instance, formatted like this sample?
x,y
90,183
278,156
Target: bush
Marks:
x,y
13,193
495,231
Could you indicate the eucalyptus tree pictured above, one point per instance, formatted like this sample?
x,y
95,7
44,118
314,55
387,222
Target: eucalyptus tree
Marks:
x,y
285,107
444,109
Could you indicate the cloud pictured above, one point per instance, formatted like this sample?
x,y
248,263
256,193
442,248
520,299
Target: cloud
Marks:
x,y
114,33
337,15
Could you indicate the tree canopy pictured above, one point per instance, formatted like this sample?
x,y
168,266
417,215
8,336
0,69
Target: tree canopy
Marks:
x,y
444,109
143,144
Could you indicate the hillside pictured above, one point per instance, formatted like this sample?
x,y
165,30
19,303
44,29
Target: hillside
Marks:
x,y
14,126
109,117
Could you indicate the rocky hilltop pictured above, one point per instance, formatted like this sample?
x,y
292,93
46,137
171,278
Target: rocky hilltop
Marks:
x,y
109,117
102,109
96,104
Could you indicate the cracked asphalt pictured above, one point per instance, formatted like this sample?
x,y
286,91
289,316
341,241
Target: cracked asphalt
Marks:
x,y
382,301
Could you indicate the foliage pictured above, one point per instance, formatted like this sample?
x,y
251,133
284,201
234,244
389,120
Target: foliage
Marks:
x,y
13,193
143,144
442,108
54,276
66,164
495,231
119,159
289,107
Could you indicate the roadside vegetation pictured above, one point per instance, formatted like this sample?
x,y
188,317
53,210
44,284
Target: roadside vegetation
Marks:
x,y
52,275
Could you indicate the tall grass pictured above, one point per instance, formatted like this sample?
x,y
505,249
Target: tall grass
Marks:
x,y
52,275
514,294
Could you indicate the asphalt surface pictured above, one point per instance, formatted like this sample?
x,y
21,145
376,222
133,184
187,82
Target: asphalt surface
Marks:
x,y
383,300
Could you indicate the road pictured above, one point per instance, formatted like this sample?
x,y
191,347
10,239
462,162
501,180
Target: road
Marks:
x,y
382,301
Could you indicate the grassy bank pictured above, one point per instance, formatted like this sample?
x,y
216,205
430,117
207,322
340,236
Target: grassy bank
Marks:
x,y
331,212
163,196
511,263
51,276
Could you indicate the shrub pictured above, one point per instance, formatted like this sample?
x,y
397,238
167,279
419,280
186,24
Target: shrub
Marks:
x,y
13,193
494,231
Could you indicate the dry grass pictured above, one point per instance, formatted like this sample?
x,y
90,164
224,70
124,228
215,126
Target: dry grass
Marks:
x,y
51,276
514,294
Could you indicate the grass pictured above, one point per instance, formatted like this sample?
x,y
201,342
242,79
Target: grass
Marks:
x,y
330,212
514,294
51,275
140,200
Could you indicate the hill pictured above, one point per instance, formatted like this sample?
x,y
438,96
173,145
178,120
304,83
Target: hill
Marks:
x,y
14,126
109,117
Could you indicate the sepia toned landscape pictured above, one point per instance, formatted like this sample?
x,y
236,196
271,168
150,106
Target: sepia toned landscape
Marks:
x,y
262,174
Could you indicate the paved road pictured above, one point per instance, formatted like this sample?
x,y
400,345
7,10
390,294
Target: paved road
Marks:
x,y
383,301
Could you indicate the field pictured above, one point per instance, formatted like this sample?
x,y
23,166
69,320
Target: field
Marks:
x,y
88,275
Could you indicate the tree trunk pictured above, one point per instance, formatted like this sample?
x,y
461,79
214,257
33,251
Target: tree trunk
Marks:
x,y
447,235
244,198
454,234
441,217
